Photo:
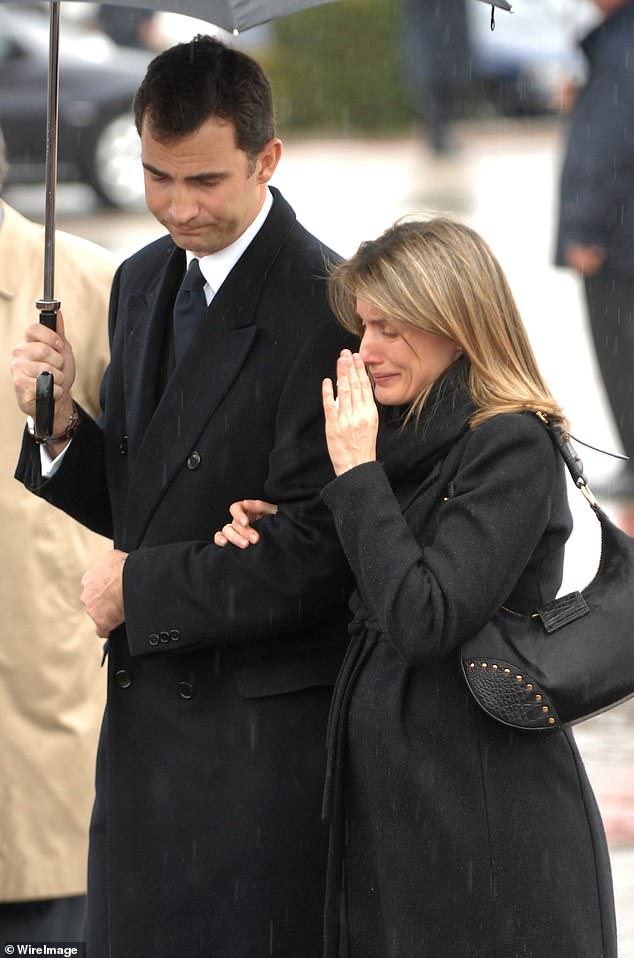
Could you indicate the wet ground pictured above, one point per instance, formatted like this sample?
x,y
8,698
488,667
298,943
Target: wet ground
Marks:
x,y
503,181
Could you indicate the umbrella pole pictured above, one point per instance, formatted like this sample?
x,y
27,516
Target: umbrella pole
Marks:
x,y
48,305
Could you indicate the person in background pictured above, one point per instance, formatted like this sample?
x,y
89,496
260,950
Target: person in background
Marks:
x,y
51,686
128,26
437,65
596,214
206,836
451,834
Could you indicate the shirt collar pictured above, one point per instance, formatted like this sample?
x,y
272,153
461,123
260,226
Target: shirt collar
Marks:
x,y
217,266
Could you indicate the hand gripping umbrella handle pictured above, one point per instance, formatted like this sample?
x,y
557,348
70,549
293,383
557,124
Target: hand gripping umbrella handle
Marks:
x,y
44,403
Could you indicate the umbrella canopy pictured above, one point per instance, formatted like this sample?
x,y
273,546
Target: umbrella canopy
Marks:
x,y
502,4
232,15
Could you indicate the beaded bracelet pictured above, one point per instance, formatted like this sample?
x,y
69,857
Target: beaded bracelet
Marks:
x,y
72,426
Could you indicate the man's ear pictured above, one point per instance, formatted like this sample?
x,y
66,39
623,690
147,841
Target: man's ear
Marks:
x,y
268,160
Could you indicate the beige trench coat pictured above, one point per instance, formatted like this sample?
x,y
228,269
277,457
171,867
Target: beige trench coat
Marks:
x,y
51,685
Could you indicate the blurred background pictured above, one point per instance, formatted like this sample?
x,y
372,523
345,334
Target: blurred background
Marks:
x,y
351,68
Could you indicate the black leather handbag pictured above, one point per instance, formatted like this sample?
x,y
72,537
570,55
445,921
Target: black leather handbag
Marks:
x,y
571,659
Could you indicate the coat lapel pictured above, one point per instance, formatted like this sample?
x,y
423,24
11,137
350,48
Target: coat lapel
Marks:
x,y
143,342
166,432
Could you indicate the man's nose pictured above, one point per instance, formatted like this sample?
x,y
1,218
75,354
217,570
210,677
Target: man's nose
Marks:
x,y
183,205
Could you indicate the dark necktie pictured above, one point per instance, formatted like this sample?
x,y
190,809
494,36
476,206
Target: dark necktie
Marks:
x,y
189,308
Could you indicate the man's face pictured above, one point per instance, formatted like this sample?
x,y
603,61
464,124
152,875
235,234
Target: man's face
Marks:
x,y
202,188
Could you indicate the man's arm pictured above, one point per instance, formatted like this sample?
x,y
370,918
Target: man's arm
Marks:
x,y
190,594
601,151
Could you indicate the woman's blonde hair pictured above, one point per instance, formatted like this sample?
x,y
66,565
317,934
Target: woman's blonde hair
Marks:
x,y
440,276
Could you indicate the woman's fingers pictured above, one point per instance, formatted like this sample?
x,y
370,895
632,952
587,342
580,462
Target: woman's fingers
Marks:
x,y
364,379
354,390
353,379
240,532
328,401
344,385
258,508
239,513
237,537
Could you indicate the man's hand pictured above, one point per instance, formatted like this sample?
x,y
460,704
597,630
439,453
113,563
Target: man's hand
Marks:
x,y
45,350
102,592
587,260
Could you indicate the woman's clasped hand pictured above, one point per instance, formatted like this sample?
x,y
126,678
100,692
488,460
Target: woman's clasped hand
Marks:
x,y
352,420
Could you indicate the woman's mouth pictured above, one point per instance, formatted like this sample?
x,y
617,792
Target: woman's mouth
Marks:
x,y
381,379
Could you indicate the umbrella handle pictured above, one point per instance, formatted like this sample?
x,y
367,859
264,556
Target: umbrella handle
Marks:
x,y
48,306
44,402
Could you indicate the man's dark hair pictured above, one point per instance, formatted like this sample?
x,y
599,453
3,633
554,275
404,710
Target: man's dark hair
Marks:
x,y
191,82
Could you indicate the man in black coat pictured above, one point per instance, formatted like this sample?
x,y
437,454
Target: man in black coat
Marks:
x,y
596,224
206,835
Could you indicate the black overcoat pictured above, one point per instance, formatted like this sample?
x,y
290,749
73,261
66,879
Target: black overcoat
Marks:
x,y
597,177
459,837
206,835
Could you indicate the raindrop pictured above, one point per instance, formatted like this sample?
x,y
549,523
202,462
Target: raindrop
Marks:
x,y
253,733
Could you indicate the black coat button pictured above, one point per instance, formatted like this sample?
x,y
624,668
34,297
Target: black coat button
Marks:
x,y
164,637
175,635
193,460
185,690
123,446
123,678
153,639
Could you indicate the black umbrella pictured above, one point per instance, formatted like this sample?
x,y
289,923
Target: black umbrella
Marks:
x,y
502,4
232,15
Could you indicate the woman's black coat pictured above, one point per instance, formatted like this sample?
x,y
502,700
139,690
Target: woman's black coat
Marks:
x,y
463,838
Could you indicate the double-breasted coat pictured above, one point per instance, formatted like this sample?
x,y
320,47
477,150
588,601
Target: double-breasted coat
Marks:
x,y
453,835
51,689
206,835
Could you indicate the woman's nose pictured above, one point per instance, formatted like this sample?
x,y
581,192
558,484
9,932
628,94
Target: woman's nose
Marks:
x,y
367,349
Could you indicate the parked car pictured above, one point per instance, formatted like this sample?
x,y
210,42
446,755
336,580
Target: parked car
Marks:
x,y
97,143
522,64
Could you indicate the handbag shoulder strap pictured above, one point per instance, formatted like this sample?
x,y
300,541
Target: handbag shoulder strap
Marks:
x,y
571,459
